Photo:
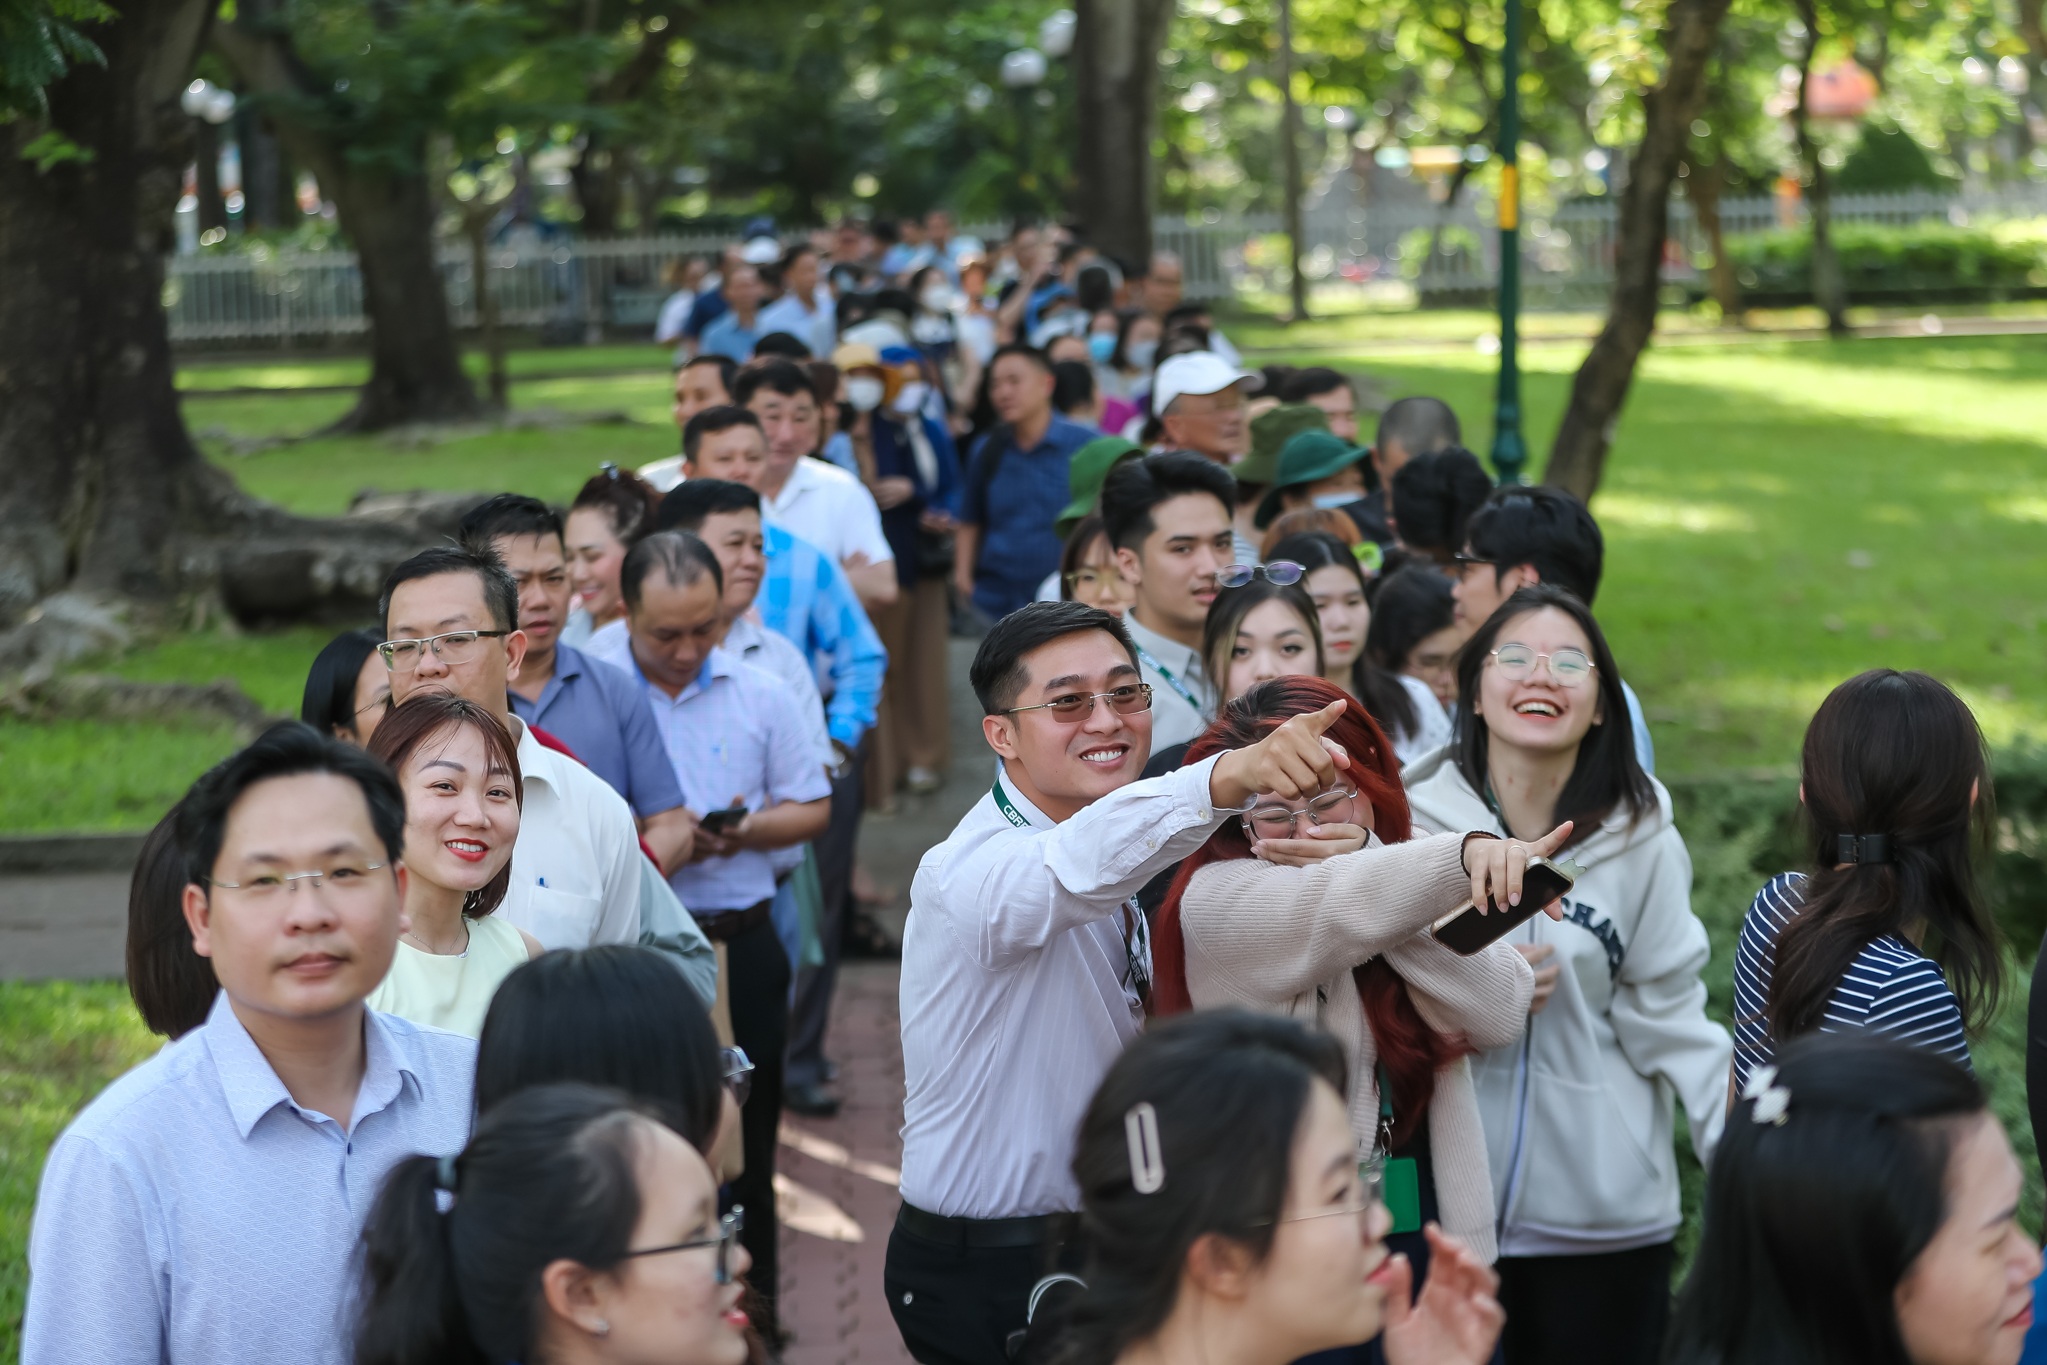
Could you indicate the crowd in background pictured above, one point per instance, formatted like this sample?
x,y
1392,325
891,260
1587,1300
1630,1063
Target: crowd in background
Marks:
x,y
490,981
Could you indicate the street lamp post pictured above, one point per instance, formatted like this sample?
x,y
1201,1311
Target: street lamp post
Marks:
x,y
1510,452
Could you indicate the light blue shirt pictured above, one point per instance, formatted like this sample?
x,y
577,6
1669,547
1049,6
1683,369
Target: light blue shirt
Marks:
x,y
734,732
193,1213
727,337
806,599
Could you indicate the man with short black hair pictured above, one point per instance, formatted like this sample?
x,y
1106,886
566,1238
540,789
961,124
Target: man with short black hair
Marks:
x,y
734,332
208,1205
1168,517
1327,389
1433,497
806,309
740,747
1524,535
1015,487
588,705
1026,967
1419,425
811,498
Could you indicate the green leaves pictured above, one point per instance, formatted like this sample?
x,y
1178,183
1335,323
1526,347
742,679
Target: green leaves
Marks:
x,y
39,41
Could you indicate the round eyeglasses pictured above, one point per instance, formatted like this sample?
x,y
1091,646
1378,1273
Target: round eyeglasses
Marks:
x,y
1568,667
1279,822
1279,571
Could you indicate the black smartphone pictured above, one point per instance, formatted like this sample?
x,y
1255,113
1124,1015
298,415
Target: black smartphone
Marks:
x,y
718,821
1466,931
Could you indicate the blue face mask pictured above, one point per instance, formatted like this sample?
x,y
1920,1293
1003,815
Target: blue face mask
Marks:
x,y
1100,346
1329,501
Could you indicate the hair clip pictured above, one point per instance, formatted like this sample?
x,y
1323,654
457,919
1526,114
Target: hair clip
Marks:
x,y
1862,848
1771,1100
608,470
1147,1158
444,1174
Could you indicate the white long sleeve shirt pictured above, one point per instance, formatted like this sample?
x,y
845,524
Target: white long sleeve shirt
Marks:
x,y
576,865
1018,990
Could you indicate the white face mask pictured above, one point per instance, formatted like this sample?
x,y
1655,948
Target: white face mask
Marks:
x,y
863,393
1140,354
910,398
1326,501
936,299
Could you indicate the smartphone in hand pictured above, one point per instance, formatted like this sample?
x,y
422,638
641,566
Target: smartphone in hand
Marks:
x,y
720,821
1466,931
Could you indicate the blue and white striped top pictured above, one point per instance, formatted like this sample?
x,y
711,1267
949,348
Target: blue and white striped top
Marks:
x,y
1891,987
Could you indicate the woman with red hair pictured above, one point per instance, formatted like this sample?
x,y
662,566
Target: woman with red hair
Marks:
x,y
1330,924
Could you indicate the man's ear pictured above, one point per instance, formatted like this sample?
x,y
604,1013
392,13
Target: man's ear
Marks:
x,y
1519,577
199,918
1000,732
1130,566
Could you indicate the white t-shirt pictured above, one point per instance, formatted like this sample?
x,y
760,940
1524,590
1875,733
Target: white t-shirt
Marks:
x,y
576,865
828,507
674,313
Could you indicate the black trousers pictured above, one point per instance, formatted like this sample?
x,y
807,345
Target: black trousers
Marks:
x,y
759,991
1608,1309
812,1008
959,1305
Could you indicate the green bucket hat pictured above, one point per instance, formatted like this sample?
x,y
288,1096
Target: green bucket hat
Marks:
x,y
1270,431
1085,475
1309,456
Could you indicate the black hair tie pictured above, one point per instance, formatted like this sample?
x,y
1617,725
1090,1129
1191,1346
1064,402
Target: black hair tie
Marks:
x,y
1862,848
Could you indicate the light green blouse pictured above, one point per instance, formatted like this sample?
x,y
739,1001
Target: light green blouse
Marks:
x,y
451,992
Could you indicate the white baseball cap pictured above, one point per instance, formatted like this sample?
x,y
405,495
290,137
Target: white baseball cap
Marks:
x,y
761,251
1195,372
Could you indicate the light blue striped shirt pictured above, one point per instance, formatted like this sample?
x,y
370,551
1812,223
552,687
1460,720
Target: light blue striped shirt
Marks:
x,y
1890,987
735,736
193,1213
806,599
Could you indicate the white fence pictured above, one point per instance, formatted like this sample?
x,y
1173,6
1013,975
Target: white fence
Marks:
x,y
579,290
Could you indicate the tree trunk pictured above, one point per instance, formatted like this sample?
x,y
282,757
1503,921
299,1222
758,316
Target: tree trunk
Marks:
x,y
1703,185
212,208
1828,289
599,186
476,219
1116,62
1578,456
388,216
1290,160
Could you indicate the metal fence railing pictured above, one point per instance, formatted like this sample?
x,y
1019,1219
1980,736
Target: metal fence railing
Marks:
x,y
584,289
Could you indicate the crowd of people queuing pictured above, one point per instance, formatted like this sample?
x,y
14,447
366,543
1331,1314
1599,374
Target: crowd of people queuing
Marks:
x,y
488,981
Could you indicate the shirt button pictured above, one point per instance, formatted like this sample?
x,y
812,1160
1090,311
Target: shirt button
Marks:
x,y
1151,843
908,1298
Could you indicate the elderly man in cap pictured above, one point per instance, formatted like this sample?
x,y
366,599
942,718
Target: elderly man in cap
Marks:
x,y
1199,399
909,463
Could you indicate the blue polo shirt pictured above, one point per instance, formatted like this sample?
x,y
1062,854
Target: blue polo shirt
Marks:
x,y
601,714
726,336
1015,508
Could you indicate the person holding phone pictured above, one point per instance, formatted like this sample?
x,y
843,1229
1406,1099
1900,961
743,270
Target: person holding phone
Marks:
x,y
1578,1114
1321,909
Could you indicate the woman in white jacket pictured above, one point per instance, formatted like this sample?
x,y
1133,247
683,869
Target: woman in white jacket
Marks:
x,y
1321,910
1578,1114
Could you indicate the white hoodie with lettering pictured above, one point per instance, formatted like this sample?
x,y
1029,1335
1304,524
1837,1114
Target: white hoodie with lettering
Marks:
x,y
1578,1113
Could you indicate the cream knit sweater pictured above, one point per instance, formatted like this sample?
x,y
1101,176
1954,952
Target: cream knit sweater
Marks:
x,y
1284,939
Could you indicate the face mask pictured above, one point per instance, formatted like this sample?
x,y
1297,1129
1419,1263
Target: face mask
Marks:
x,y
911,397
1328,501
1140,354
1100,346
863,393
936,299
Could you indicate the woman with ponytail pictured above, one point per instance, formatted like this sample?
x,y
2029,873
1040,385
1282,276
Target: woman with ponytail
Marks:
x,y
1321,910
574,1227
1896,792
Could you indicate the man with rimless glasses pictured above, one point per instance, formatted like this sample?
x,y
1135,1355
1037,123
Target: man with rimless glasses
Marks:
x,y
1026,966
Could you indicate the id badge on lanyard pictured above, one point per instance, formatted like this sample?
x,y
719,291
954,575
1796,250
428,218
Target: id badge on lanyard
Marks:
x,y
1400,1181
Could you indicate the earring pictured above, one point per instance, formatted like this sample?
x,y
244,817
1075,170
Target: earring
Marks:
x,y
602,1328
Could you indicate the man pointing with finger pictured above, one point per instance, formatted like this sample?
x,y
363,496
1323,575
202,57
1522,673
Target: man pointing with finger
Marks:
x,y
1026,964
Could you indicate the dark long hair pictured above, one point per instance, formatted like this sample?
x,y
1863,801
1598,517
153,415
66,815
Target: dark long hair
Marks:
x,y
1226,617
329,701
1408,607
1229,1089
1895,754
428,717
1378,689
628,501
614,1015
1811,1224
1411,1051
547,1176
1607,775
172,985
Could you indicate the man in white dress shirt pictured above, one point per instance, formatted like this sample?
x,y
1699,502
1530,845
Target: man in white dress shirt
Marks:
x,y
1168,517
207,1206
1025,966
578,875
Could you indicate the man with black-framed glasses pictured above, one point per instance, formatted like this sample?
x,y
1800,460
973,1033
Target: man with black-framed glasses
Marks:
x,y
1025,965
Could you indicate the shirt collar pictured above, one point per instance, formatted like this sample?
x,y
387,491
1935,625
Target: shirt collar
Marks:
x,y
743,636
251,1086
536,760
801,480
1185,662
1023,804
717,664
568,663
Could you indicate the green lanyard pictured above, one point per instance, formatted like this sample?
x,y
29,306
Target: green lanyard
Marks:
x,y
1136,933
1008,807
1144,657
1400,1175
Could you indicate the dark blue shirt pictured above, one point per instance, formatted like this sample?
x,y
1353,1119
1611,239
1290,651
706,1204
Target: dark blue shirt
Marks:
x,y
600,713
1015,508
894,456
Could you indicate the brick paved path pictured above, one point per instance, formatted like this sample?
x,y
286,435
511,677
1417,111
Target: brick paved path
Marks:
x,y
831,1259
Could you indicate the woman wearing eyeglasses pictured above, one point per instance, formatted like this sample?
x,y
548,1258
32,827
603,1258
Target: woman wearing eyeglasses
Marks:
x,y
460,773
1578,1115
575,1226
1321,909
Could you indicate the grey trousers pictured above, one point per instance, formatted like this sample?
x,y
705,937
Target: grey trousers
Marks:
x,y
812,1008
